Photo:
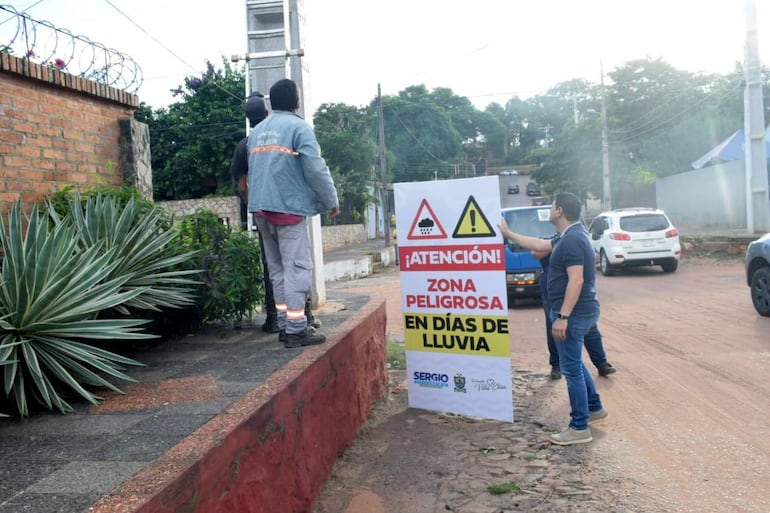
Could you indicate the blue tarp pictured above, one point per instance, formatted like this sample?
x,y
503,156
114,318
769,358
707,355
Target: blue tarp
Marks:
x,y
729,149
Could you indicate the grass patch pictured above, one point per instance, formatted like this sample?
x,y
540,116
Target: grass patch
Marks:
x,y
396,355
500,489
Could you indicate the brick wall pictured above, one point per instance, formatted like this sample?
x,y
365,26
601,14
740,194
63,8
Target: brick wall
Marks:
x,y
57,129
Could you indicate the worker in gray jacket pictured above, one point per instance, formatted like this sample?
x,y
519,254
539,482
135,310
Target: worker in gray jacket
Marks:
x,y
288,180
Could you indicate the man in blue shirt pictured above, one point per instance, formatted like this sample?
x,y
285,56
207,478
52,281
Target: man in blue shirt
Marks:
x,y
574,310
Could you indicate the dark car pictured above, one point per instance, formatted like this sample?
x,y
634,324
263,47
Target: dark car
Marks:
x,y
513,189
758,273
533,189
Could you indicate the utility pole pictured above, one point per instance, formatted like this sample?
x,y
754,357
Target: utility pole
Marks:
x,y
383,172
575,112
757,199
546,130
277,26
606,186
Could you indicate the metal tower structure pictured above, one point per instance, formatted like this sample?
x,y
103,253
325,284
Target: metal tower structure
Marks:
x,y
275,43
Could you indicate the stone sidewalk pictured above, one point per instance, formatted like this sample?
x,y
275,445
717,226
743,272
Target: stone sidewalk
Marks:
x,y
67,463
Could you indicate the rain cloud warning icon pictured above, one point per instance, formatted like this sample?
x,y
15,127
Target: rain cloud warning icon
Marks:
x,y
426,225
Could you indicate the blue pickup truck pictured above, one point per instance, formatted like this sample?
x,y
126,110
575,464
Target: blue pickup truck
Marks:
x,y
522,270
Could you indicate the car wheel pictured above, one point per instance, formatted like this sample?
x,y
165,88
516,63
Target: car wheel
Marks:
x,y
670,267
760,291
604,264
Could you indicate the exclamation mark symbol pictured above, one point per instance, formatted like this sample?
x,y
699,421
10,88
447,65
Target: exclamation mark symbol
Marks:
x,y
473,220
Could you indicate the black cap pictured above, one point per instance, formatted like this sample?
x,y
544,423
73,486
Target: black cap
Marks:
x,y
256,110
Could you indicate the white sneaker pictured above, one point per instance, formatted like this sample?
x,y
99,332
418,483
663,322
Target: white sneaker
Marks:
x,y
571,437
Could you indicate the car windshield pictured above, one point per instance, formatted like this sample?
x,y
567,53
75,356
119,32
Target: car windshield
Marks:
x,y
644,223
532,222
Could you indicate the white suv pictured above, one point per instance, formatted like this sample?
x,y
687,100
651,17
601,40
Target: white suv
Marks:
x,y
634,237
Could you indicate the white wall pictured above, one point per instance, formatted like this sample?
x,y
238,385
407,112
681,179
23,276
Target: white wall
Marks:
x,y
710,199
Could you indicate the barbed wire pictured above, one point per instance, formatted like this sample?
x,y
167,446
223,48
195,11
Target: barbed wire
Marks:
x,y
42,42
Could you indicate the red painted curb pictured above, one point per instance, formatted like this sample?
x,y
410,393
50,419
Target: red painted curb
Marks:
x,y
272,450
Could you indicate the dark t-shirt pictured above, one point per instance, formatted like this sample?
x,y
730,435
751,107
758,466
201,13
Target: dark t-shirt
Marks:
x,y
573,248
240,164
543,282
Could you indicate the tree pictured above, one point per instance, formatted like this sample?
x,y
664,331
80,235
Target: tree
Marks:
x,y
420,135
192,141
349,150
482,134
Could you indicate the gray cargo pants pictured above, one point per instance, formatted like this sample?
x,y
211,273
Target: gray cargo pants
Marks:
x,y
287,251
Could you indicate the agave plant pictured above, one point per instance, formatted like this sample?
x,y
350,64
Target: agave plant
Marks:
x,y
50,296
141,248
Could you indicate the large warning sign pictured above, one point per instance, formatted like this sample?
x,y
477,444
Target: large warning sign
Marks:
x,y
454,298
473,222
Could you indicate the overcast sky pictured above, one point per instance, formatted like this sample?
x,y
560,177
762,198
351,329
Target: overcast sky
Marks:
x,y
487,50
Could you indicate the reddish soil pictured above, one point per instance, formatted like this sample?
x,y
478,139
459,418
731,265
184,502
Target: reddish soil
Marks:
x,y
690,405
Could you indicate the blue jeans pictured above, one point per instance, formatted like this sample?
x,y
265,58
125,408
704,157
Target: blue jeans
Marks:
x,y
592,341
583,397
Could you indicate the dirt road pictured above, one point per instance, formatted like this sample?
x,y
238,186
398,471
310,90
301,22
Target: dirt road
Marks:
x,y
689,429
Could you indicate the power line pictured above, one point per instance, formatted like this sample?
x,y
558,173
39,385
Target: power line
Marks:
x,y
634,128
109,2
419,143
677,115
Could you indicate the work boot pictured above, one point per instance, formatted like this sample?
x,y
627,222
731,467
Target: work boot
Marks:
x,y
571,437
555,373
606,369
282,336
271,324
309,337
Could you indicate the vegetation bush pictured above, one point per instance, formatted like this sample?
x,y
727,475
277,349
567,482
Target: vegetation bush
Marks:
x,y
52,291
145,248
85,276
231,276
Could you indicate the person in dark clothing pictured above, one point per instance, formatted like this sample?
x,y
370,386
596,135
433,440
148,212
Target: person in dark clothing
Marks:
x,y
592,341
256,111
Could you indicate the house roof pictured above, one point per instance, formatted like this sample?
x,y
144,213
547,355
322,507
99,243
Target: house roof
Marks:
x,y
731,148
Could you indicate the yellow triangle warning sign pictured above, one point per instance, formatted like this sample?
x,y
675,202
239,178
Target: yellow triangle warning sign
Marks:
x,y
425,224
473,222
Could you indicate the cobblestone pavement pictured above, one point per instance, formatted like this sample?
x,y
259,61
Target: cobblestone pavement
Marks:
x,y
413,461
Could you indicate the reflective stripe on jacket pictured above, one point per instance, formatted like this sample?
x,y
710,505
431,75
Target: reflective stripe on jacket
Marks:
x,y
286,171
